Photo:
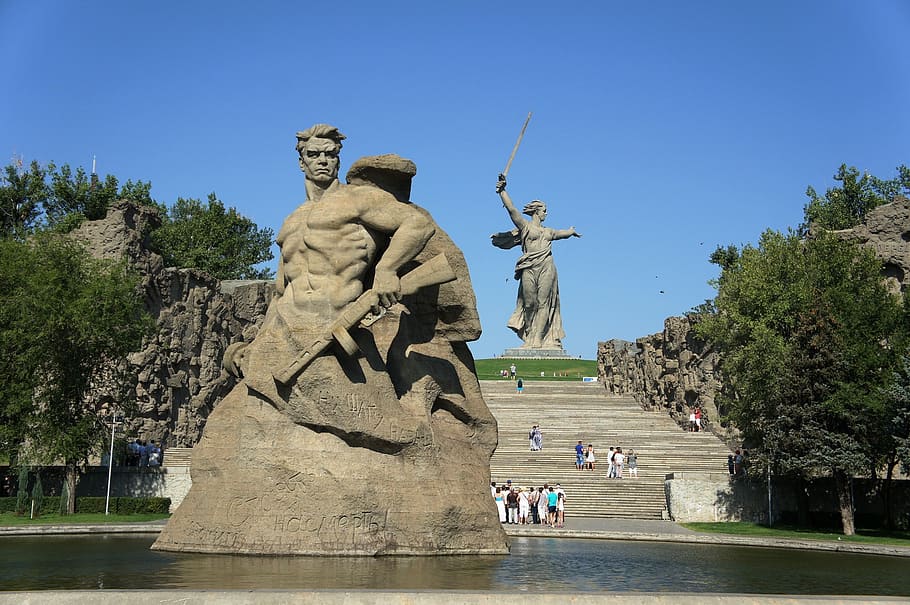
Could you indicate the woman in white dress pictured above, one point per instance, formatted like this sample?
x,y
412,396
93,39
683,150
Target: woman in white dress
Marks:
x,y
500,504
589,457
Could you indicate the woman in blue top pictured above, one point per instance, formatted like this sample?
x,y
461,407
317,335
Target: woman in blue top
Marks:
x,y
552,499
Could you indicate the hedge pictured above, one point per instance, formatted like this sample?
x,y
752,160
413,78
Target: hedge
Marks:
x,y
93,504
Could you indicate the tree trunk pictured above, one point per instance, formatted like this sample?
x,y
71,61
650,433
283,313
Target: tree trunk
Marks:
x,y
70,479
845,501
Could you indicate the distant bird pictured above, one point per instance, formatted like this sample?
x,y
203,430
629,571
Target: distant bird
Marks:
x,y
661,291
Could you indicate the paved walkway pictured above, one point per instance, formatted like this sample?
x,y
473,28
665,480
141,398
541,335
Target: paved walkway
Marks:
x,y
579,527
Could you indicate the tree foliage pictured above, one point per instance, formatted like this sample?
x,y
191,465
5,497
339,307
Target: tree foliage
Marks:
x,y
22,195
59,197
807,333
845,205
67,322
214,239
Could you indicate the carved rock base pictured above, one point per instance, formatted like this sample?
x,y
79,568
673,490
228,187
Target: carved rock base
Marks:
x,y
265,485
529,353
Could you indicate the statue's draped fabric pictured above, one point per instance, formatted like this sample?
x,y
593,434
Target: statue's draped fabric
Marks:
x,y
537,304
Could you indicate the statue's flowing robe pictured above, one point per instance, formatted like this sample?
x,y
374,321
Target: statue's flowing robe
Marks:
x,y
539,267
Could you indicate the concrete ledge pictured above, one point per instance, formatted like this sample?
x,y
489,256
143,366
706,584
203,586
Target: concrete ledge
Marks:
x,y
716,539
375,597
63,530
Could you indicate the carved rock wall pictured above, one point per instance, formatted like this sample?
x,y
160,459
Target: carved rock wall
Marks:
x,y
178,369
886,230
671,370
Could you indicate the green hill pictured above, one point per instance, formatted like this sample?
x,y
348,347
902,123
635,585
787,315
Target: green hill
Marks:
x,y
530,369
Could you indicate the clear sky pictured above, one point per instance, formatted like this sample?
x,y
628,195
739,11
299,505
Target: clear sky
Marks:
x,y
660,129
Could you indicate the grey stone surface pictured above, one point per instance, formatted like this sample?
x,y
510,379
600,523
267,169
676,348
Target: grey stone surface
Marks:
x,y
537,318
886,231
671,371
349,438
178,370
528,353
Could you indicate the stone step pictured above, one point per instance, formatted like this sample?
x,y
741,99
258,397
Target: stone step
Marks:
x,y
569,411
177,456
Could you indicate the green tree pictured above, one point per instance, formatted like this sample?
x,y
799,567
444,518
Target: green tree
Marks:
x,y
67,322
78,193
22,195
214,239
806,330
845,206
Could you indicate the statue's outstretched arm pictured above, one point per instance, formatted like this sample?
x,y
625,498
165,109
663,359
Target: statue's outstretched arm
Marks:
x,y
514,214
566,233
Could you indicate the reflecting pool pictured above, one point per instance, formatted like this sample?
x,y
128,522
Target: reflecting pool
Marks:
x,y
536,564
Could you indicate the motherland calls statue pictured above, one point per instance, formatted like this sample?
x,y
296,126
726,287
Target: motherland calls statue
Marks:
x,y
536,318
358,427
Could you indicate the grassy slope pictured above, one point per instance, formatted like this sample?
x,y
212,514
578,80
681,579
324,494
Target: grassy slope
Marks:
x,y
530,369
895,538
10,519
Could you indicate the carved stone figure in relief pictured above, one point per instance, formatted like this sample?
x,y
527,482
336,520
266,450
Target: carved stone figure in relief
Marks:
x,y
536,319
358,386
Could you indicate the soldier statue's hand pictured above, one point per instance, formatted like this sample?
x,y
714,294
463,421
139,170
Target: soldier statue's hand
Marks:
x,y
501,183
387,287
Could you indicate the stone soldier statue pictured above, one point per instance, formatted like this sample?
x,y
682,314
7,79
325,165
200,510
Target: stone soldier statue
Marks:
x,y
536,319
358,386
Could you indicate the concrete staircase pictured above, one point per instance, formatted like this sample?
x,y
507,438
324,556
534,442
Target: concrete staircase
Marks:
x,y
178,456
569,411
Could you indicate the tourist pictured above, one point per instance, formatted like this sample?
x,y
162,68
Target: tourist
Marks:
x,y
691,420
512,370
552,499
519,386
533,500
135,449
537,438
632,463
590,458
512,505
618,460
524,506
730,464
154,454
560,509
493,489
697,419
500,505
738,464
531,437
579,456
143,454
542,505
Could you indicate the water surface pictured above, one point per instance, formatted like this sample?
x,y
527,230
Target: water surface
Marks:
x,y
536,564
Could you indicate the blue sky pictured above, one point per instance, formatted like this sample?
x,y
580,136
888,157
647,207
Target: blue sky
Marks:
x,y
660,129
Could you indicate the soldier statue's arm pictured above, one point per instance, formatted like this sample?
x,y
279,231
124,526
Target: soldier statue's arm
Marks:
x,y
409,231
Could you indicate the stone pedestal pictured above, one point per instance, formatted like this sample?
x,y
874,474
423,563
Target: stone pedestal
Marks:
x,y
265,485
527,353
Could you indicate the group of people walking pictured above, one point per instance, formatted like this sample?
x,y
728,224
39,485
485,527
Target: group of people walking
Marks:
x,y
144,454
585,459
545,505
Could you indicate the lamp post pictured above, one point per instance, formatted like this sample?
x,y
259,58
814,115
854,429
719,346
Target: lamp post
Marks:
x,y
110,463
